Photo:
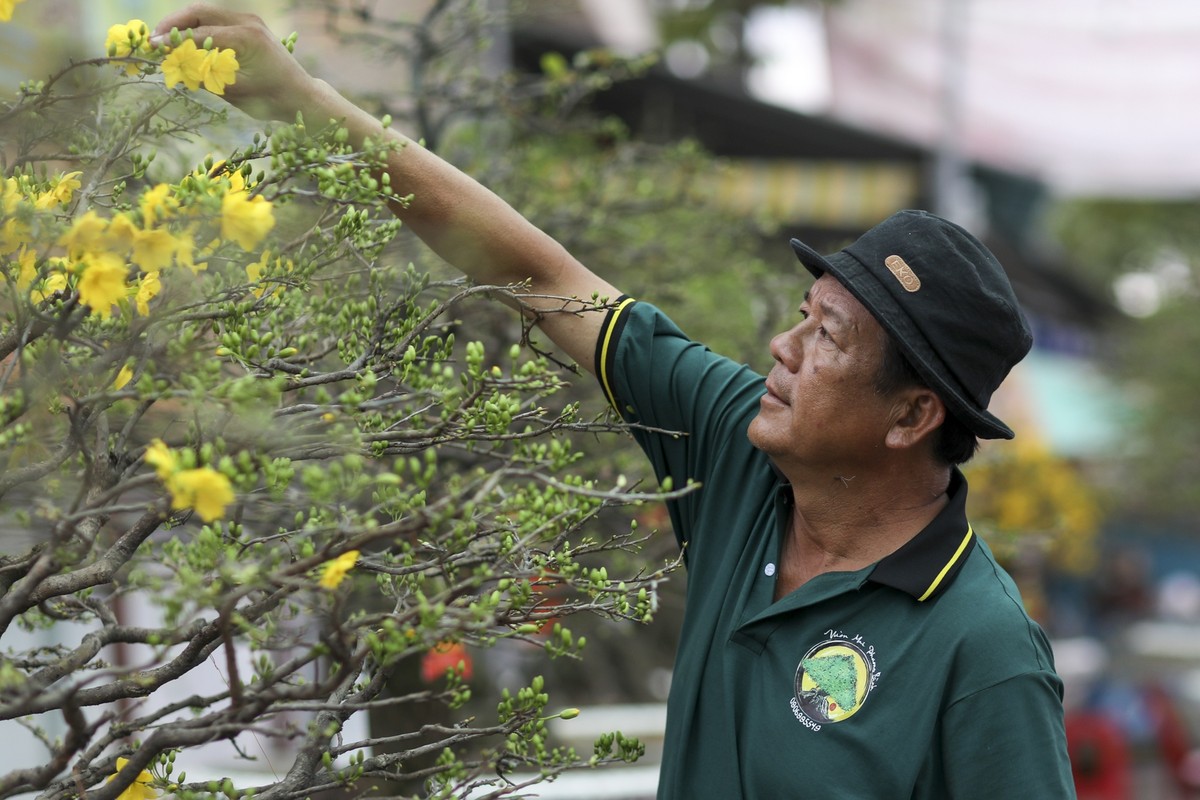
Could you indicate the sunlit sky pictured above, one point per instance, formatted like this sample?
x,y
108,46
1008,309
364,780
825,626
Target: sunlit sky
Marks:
x,y
794,61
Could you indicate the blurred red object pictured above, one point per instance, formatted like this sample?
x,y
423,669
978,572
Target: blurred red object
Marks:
x,y
1100,757
443,657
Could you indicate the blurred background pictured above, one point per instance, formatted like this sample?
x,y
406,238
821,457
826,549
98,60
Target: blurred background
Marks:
x,y
1063,133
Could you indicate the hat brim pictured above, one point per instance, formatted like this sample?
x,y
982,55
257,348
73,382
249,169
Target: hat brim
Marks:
x,y
865,286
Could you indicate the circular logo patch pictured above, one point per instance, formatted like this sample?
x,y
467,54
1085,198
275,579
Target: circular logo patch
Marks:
x,y
833,680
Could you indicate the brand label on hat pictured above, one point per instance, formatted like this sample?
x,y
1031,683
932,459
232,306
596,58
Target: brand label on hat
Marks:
x,y
908,279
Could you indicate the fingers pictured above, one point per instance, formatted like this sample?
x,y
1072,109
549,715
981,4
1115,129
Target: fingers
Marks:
x,y
270,82
205,20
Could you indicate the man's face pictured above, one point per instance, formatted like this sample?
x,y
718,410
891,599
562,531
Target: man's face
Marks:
x,y
821,413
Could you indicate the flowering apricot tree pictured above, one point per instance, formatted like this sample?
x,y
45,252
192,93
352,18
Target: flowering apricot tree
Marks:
x,y
240,434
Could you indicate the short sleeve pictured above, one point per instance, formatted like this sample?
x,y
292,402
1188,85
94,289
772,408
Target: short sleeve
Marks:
x,y
687,407
1008,740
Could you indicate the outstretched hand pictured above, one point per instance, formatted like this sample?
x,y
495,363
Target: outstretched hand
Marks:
x,y
270,83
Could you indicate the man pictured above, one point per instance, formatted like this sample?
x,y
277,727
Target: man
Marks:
x,y
847,635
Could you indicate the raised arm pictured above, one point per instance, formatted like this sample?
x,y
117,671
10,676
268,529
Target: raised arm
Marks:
x,y
460,219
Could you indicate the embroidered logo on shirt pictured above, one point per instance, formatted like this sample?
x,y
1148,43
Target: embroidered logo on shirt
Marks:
x,y
833,680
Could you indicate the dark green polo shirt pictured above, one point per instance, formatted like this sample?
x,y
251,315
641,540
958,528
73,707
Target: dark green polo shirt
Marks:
x,y
918,677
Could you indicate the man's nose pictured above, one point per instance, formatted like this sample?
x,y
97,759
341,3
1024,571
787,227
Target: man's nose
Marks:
x,y
785,349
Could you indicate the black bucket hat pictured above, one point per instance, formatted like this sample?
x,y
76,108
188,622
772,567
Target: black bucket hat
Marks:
x,y
945,300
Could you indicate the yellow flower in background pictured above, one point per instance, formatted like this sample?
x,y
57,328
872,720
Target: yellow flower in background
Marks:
x,y
204,489
185,64
254,271
185,250
26,267
334,572
6,9
148,288
140,788
10,194
13,234
60,192
120,233
237,181
125,38
219,70
123,377
157,204
153,249
132,38
102,284
162,458
88,233
45,288
1025,493
245,219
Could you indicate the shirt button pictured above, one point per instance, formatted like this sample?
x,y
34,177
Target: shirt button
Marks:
x,y
769,570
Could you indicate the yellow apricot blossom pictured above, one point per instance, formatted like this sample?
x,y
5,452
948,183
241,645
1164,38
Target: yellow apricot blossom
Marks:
x,y
148,288
140,788
157,204
10,194
185,249
153,249
217,170
14,234
26,267
246,219
162,458
124,375
255,270
131,38
6,9
1027,491
185,64
237,181
60,192
120,234
334,571
219,70
46,288
88,233
102,283
203,489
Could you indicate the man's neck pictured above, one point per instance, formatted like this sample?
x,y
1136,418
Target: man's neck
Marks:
x,y
854,521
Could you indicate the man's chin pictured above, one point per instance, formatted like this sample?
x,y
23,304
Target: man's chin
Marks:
x,y
758,435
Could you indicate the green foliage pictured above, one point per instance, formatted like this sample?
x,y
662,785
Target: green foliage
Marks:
x,y
1109,239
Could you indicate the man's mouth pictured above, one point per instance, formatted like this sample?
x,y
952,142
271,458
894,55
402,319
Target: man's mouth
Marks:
x,y
775,395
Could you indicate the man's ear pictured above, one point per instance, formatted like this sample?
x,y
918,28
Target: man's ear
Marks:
x,y
918,413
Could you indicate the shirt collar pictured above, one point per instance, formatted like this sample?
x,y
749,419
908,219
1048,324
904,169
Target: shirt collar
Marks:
x,y
929,562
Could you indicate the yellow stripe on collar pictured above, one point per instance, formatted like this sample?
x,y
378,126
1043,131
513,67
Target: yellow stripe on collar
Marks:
x,y
962,546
